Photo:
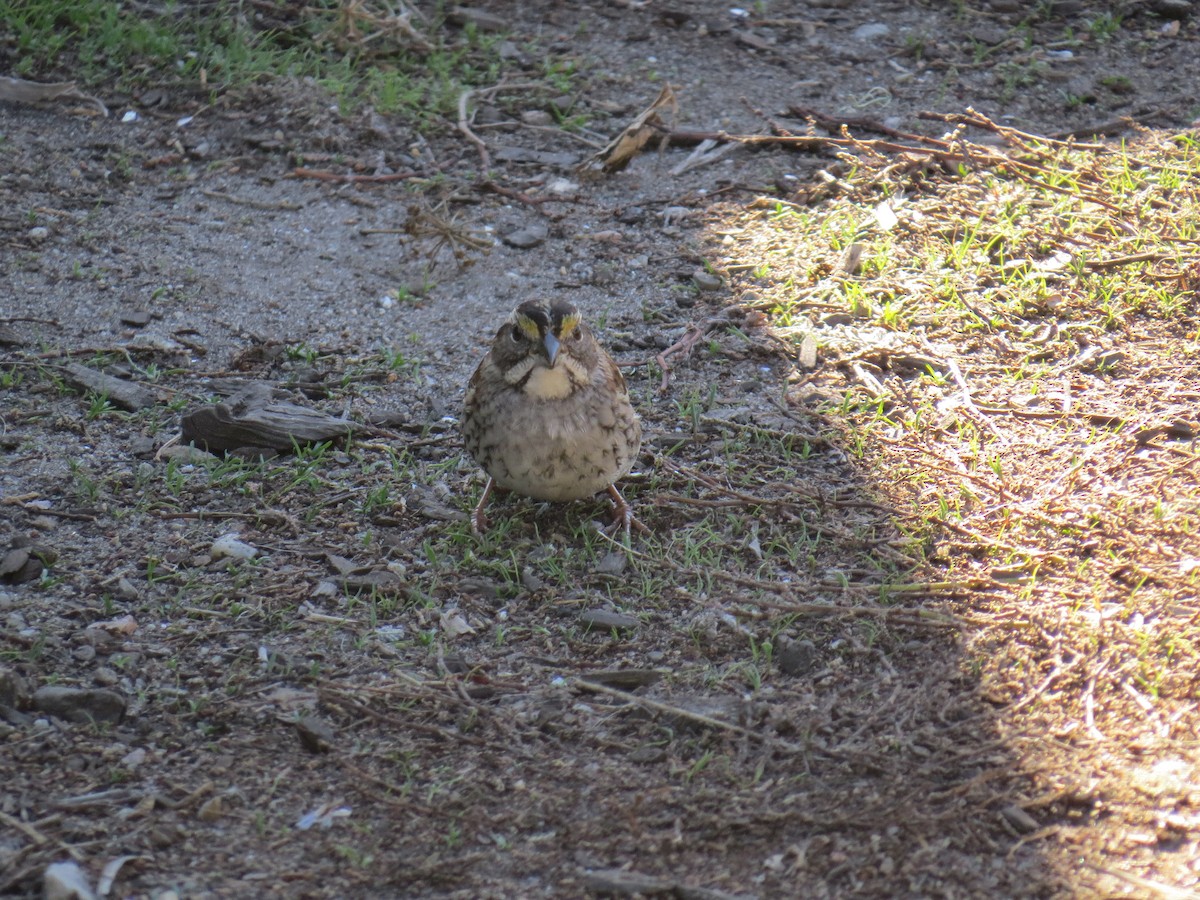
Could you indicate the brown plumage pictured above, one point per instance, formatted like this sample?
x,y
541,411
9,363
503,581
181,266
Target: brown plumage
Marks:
x,y
547,413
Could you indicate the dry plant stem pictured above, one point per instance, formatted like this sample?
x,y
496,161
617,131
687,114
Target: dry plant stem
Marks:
x,y
703,155
1101,265
464,117
775,126
699,718
835,123
971,117
961,381
1012,167
553,129
894,615
464,126
875,148
955,151
789,589
686,344
340,698
56,513
391,794
753,499
1000,545
1152,888
341,178
253,204
33,319
39,839
1058,671
535,202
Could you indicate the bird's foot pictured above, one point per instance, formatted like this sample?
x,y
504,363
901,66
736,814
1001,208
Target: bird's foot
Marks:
x,y
479,519
623,517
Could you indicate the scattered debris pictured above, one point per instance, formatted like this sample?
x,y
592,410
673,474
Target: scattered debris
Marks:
x,y
21,91
323,816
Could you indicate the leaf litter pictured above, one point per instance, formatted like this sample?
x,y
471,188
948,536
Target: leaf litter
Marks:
x,y
915,616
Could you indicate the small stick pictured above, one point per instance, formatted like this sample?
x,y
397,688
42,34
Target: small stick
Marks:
x,y
1101,265
37,837
253,204
303,172
485,159
971,117
686,345
535,202
827,121
668,709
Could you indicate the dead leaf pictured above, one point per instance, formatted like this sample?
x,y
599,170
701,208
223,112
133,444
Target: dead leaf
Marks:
x,y
123,625
637,134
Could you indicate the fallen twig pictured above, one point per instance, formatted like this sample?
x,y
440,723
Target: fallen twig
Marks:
x,y
253,204
22,91
1154,888
303,172
464,126
686,344
978,120
896,615
699,718
836,123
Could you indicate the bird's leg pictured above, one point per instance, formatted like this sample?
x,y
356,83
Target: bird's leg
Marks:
x,y
623,516
479,521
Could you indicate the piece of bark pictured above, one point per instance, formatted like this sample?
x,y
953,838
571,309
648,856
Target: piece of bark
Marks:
x,y
253,419
129,395
23,91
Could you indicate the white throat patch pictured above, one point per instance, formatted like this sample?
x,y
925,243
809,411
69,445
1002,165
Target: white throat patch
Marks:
x,y
551,384
567,376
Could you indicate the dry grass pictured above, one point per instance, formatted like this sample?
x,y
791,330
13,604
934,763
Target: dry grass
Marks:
x,y
915,618
1017,349
918,621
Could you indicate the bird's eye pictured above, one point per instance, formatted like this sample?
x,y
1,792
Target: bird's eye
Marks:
x,y
516,335
576,334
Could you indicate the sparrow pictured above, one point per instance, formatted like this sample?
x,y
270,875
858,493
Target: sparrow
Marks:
x,y
547,412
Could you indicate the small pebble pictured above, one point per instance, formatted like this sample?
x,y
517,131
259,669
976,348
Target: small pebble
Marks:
x,y
613,563
537,117
137,319
228,545
526,238
84,654
798,658
706,280
871,31
1172,9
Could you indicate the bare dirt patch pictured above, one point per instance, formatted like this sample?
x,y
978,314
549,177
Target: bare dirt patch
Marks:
x,y
786,689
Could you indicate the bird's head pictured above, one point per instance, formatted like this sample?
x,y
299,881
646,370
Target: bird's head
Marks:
x,y
545,349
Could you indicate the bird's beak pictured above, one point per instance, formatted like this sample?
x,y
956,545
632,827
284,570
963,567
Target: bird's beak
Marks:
x,y
550,342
